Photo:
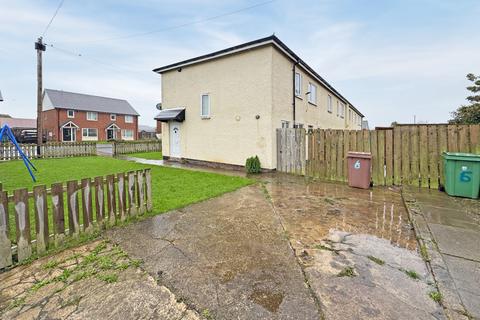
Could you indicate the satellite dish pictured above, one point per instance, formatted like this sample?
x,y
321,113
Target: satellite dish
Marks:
x,y
159,106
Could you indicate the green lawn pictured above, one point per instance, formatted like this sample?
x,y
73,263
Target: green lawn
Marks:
x,y
171,188
153,155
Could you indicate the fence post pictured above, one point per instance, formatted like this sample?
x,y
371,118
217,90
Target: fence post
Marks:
x,y
122,199
5,243
58,213
87,205
99,201
22,219
140,191
73,214
148,181
131,194
111,205
41,217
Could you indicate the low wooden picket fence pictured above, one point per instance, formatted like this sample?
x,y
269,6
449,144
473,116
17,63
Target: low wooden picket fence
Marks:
x,y
48,150
123,147
403,155
126,195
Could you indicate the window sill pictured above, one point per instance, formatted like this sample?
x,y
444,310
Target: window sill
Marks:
x,y
205,117
312,103
330,111
298,97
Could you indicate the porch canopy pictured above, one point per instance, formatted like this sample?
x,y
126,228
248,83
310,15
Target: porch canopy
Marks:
x,y
176,114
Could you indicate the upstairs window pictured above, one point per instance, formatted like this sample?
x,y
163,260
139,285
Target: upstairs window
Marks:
x,y
342,110
113,117
70,114
92,116
312,93
329,104
338,109
298,84
205,106
128,119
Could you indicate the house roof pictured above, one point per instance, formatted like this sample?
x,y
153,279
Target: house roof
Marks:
x,y
271,40
86,102
146,128
19,123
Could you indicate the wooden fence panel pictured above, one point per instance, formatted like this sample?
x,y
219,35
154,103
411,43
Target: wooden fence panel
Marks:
x,y
148,187
475,138
381,157
100,201
22,220
140,192
414,160
132,208
375,160
463,138
73,214
433,157
442,147
58,213
389,178
87,208
333,155
406,177
122,198
5,243
111,203
452,138
397,156
41,218
423,158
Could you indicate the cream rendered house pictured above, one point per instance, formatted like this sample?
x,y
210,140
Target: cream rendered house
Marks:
x,y
225,106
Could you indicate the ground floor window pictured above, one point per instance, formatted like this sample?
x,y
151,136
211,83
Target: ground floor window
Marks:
x,y
285,124
127,134
89,134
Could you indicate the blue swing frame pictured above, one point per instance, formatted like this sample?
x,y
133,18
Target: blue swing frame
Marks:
x,y
9,134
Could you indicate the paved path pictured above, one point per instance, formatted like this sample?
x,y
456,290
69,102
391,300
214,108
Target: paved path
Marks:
x,y
266,252
450,228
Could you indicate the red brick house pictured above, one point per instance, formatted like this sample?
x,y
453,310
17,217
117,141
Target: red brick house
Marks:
x,y
70,117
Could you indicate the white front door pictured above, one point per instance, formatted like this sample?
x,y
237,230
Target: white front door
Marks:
x,y
175,139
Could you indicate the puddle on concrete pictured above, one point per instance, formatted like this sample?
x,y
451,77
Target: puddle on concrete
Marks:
x,y
309,209
267,299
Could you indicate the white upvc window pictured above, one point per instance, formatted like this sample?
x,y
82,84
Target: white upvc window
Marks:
x,y
285,124
298,84
92,116
350,115
299,126
312,93
329,104
70,113
342,110
127,134
338,108
205,106
89,134
113,117
128,119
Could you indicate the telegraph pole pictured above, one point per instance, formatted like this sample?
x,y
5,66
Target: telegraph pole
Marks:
x,y
40,47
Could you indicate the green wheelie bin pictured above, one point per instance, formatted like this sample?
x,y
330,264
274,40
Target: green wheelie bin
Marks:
x,y
462,174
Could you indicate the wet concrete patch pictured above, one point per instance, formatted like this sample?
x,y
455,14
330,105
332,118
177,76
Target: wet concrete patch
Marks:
x,y
309,209
227,255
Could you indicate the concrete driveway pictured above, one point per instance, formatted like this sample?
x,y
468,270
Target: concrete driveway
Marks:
x,y
289,248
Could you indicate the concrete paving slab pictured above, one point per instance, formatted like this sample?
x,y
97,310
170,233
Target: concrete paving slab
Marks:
x,y
447,216
466,275
456,241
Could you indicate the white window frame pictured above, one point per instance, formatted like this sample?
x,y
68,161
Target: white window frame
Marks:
x,y
113,117
338,108
299,126
71,116
90,113
298,85
312,93
127,117
285,124
330,104
88,136
206,115
342,110
125,137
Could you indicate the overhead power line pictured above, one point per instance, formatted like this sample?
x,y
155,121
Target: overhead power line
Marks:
x,y
141,34
53,17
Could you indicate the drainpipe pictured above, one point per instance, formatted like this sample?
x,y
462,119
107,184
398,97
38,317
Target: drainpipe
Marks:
x,y
293,91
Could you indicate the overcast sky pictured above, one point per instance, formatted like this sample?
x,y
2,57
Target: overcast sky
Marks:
x,y
391,59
